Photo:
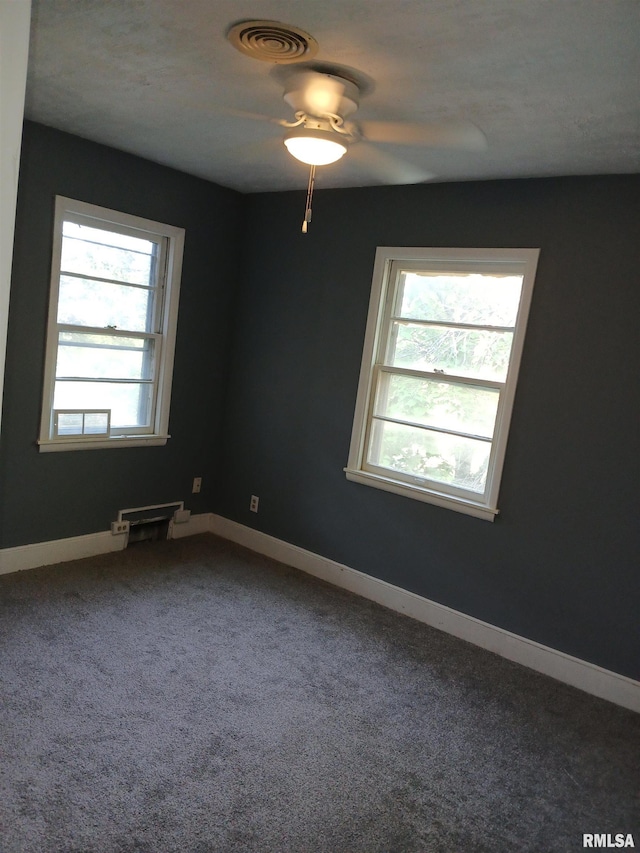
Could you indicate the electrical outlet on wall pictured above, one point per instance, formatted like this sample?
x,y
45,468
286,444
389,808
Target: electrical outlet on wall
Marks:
x,y
197,485
118,527
253,505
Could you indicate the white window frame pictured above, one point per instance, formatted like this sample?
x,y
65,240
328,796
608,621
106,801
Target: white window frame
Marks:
x,y
386,272
171,242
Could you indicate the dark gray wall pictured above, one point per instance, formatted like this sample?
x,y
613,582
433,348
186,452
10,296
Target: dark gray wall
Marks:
x,y
559,565
46,496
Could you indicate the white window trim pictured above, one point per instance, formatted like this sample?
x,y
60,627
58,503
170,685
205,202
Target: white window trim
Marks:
x,y
66,208
485,506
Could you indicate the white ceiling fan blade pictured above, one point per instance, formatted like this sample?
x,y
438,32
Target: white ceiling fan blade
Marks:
x,y
461,135
390,170
229,111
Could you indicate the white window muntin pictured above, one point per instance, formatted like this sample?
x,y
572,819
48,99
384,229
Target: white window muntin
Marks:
x,y
383,310
159,275
155,289
393,314
161,323
154,353
413,479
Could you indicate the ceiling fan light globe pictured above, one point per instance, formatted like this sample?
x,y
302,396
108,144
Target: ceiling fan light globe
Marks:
x,y
314,147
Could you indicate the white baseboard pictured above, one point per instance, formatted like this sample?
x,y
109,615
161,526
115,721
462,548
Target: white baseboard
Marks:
x,y
76,547
59,551
200,523
570,670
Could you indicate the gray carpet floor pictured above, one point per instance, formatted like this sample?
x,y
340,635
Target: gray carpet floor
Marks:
x,y
191,697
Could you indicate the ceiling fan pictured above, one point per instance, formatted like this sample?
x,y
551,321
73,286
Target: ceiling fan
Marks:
x,y
323,104
324,99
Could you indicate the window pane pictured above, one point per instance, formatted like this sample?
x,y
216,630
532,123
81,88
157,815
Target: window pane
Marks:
x,y
129,404
449,459
70,424
95,303
465,352
106,254
485,300
103,357
95,423
464,408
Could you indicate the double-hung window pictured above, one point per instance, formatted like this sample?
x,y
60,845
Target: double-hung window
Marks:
x,y
442,350
111,334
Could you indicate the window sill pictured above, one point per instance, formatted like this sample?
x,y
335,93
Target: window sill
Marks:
x,y
50,446
399,487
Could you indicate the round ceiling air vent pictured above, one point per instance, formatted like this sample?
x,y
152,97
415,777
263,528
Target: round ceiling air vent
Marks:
x,y
271,41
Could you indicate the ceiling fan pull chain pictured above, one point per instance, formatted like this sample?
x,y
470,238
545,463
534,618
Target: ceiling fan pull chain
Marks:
x,y
307,212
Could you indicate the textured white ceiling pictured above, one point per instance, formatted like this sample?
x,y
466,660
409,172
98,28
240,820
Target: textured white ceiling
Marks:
x,y
552,83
